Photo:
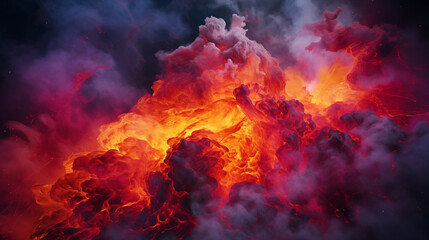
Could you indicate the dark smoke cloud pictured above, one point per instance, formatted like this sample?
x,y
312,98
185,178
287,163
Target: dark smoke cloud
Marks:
x,y
385,183
44,44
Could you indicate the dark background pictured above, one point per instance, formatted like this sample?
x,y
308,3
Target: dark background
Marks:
x,y
26,25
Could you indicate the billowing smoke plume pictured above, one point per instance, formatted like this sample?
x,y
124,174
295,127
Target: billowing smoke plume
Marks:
x,y
304,126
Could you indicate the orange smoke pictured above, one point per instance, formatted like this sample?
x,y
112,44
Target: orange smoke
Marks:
x,y
223,113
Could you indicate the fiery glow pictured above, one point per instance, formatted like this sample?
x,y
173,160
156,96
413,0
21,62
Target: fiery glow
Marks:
x,y
225,126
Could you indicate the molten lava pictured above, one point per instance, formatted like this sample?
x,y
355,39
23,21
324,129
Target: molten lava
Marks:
x,y
232,146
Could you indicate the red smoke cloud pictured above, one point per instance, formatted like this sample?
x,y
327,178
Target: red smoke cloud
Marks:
x,y
232,146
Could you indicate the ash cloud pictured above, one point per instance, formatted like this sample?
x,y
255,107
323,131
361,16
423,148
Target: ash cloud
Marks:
x,y
120,39
352,195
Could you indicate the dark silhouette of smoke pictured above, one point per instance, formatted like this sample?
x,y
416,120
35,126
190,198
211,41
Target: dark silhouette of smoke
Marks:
x,y
46,114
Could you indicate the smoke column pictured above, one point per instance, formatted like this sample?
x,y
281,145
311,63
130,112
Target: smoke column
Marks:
x,y
214,120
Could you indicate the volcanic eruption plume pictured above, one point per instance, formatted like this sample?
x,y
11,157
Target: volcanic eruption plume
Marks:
x,y
232,144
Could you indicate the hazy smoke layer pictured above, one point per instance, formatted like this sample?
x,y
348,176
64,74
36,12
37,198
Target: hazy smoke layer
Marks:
x,y
86,62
